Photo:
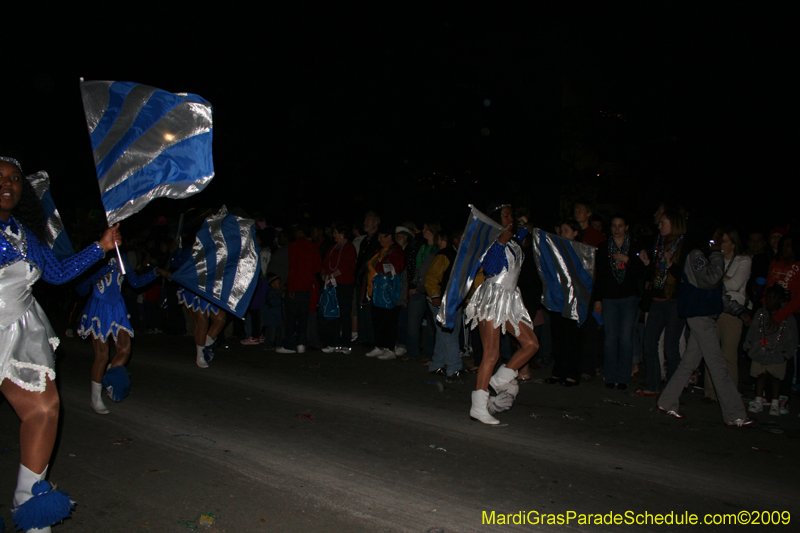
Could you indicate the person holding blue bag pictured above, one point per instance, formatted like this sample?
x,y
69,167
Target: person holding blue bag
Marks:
x,y
383,288
338,271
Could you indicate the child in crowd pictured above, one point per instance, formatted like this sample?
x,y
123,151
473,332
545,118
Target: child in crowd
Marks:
x,y
769,348
272,313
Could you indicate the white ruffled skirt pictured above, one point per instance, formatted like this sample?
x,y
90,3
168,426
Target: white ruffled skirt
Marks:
x,y
27,348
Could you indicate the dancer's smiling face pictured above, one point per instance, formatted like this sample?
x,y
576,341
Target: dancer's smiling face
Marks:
x,y
10,188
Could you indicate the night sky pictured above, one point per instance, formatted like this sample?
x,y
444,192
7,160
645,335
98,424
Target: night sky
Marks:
x,y
325,114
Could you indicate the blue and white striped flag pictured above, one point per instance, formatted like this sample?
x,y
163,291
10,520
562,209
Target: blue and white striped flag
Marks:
x,y
57,238
480,233
225,264
566,268
147,143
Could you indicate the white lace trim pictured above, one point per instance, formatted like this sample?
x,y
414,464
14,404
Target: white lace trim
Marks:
x,y
195,303
44,373
54,342
94,329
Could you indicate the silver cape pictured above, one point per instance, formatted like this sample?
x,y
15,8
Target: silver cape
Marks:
x,y
498,299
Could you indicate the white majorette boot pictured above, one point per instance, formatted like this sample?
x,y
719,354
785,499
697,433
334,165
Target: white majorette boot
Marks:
x,y
201,357
37,505
479,411
505,380
97,399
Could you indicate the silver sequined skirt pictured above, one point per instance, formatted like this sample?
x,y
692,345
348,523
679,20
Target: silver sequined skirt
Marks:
x,y
494,302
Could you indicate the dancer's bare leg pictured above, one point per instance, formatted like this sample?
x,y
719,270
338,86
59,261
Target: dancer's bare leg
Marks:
x,y
217,323
200,327
100,359
528,346
490,339
123,346
39,415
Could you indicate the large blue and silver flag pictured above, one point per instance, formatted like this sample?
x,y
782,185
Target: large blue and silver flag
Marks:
x,y
566,269
480,233
55,235
147,143
224,267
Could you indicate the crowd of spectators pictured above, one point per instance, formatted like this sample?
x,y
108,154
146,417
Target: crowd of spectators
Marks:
x,y
388,280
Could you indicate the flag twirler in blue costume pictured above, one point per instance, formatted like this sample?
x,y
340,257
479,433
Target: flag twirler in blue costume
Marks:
x,y
56,237
147,143
566,268
224,267
479,234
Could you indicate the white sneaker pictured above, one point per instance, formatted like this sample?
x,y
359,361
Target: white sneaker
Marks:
x,y
301,348
375,352
328,349
388,355
400,350
353,336
344,350
784,403
281,349
201,361
775,408
757,405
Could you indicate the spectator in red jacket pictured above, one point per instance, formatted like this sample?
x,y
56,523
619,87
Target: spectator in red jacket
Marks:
x,y
304,265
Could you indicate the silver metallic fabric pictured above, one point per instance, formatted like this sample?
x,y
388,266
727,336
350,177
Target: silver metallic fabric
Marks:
x,y
147,143
566,268
225,263
41,184
221,251
185,121
248,264
479,234
27,340
498,299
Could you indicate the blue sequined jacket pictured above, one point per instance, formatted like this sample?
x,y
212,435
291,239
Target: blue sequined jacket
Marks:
x,y
35,253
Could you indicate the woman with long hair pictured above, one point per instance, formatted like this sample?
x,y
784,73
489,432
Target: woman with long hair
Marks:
x,y
663,275
617,293
497,307
28,342
729,323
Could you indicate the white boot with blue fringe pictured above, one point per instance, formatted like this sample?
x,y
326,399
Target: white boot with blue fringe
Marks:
x,y
37,504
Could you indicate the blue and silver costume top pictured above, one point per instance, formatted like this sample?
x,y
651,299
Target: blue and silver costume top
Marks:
x,y
27,340
498,299
105,312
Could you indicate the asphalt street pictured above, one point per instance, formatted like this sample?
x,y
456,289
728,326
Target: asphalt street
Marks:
x,y
345,443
